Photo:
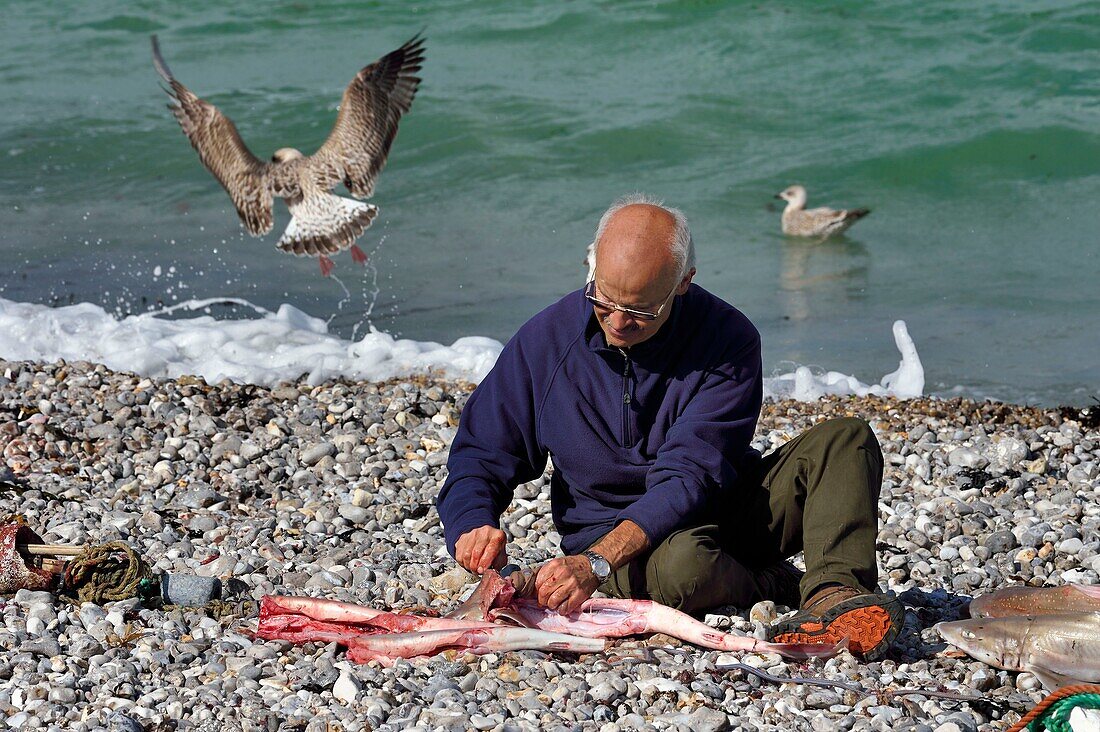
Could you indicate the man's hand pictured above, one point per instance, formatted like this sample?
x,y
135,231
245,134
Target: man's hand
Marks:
x,y
479,549
564,583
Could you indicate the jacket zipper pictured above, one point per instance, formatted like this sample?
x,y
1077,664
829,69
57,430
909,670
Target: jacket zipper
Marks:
x,y
626,398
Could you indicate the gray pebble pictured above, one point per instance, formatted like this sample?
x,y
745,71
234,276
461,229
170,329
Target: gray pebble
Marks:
x,y
966,458
313,454
1000,541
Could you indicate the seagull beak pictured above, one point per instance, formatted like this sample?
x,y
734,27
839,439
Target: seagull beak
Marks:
x,y
779,196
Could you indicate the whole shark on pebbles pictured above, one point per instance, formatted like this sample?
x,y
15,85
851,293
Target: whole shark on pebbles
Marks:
x,y
1059,650
327,491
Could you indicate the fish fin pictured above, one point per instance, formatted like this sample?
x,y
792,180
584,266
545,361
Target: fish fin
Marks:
x,y
1092,591
1050,679
470,609
508,614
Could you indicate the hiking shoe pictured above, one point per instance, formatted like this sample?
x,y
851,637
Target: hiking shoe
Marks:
x,y
870,621
779,583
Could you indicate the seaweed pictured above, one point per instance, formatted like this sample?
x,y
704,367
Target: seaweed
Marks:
x,y
985,481
1088,416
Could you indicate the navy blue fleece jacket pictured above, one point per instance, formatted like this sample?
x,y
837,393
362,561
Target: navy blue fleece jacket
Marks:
x,y
655,435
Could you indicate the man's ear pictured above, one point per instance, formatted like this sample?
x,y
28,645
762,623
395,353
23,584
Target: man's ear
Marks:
x,y
683,287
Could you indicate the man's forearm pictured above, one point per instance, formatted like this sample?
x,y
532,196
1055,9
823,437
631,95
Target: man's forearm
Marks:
x,y
623,543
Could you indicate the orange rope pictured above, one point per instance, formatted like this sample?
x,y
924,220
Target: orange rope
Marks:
x,y
1050,699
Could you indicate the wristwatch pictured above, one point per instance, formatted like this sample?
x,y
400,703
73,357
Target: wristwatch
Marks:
x,y
600,566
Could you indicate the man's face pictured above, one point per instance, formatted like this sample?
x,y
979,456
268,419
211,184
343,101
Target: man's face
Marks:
x,y
635,269
623,330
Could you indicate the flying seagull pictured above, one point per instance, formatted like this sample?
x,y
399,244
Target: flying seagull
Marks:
x,y
354,154
819,222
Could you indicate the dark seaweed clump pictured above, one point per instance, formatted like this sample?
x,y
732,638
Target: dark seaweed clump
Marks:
x,y
1087,416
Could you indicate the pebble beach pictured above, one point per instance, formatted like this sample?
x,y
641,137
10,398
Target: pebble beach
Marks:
x,y
328,491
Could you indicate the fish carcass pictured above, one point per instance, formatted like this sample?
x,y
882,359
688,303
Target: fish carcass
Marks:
x,y
492,620
1057,649
1024,600
376,635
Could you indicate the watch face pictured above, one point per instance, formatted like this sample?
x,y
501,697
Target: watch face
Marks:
x,y
600,566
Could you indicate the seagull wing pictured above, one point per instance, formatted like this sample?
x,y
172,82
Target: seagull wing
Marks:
x,y
222,151
373,103
824,213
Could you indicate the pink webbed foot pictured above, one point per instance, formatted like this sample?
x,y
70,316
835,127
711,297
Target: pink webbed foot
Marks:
x,y
357,255
326,265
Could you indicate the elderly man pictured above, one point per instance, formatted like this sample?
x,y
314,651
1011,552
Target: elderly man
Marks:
x,y
646,390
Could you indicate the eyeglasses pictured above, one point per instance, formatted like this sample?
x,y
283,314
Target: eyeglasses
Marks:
x,y
590,293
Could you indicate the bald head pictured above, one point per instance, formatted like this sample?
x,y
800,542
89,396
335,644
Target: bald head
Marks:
x,y
647,221
637,244
643,256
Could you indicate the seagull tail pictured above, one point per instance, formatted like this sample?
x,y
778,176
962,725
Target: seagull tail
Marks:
x,y
856,214
325,224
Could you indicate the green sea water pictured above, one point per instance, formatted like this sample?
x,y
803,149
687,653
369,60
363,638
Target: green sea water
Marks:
x,y
972,131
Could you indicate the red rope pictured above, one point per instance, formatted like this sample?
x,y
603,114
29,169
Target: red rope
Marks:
x,y
1050,699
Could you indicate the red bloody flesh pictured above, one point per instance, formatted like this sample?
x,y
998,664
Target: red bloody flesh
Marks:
x,y
15,573
274,608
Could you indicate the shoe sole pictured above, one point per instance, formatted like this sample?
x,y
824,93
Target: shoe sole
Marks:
x,y
870,623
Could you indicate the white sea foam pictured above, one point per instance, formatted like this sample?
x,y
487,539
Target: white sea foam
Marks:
x,y
806,383
274,347
284,345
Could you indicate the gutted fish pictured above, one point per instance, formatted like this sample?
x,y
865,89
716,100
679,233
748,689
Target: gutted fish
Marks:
x,y
494,619
376,635
610,618
388,647
513,600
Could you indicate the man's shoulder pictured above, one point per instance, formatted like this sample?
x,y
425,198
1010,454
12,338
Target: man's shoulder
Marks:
x,y
557,324
720,322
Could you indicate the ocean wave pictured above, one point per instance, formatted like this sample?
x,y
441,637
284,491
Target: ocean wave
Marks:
x,y
289,344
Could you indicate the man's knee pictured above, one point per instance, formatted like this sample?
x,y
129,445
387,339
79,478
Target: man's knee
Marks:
x,y
683,575
677,568
850,432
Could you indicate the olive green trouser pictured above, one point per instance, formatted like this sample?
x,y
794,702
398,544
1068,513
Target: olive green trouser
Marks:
x,y
817,494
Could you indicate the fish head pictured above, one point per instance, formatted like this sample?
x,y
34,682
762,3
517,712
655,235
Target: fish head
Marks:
x,y
983,606
995,641
493,591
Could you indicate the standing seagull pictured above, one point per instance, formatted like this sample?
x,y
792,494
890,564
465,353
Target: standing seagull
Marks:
x,y
820,222
354,153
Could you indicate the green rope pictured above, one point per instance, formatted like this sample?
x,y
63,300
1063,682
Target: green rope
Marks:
x,y
221,609
105,573
1056,717
217,609
114,571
